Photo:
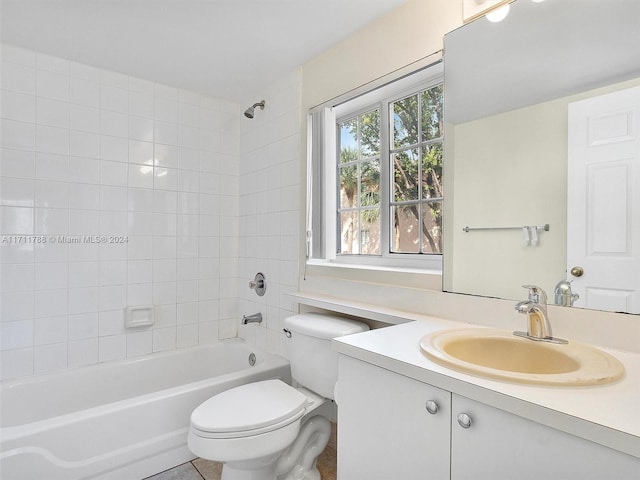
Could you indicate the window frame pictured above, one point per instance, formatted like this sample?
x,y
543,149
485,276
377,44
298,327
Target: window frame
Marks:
x,y
322,161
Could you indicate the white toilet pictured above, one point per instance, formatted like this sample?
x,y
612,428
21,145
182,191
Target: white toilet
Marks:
x,y
266,430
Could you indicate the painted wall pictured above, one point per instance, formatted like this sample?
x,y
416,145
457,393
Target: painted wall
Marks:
x,y
78,150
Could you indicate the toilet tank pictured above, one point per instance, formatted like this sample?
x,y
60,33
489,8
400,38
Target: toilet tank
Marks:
x,y
314,364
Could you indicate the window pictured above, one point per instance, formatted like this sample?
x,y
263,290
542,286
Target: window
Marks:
x,y
416,161
376,162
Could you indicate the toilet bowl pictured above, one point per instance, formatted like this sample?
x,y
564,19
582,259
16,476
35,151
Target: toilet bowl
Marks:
x,y
268,430
249,437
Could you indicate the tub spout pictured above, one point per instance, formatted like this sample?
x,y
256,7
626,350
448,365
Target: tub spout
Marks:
x,y
255,318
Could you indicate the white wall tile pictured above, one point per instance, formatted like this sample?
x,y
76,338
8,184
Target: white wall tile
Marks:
x,y
165,132
52,221
18,135
16,305
115,149
18,55
113,347
17,192
83,326
93,130
50,330
84,144
17,163
84,274
52,85
18,78
113,173
16,334
18,106
52,140
84,300
83,91
84,170
139,343
84,118
141,153
82,352
50,303
16,363
114,98
84,196
114,124
141,128
16,220
54,113
49,358
141,102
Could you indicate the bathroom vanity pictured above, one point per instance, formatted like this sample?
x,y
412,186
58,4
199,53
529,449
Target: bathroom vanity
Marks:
x,y
400,415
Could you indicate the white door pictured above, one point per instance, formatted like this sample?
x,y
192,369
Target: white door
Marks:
x,y
603,200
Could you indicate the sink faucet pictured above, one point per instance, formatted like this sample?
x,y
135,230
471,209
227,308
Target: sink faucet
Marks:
x,y
563,294
538,327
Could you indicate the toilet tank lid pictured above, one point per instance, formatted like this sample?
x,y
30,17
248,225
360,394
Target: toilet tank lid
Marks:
x,y
320,325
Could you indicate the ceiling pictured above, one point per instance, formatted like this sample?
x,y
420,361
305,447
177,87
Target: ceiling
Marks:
x,y
223,48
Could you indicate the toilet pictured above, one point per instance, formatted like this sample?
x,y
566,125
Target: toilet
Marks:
x,y
268,430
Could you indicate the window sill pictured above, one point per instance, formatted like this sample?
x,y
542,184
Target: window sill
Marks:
x,y
422,278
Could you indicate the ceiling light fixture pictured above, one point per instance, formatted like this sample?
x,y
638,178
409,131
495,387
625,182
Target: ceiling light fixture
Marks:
x,y
498,14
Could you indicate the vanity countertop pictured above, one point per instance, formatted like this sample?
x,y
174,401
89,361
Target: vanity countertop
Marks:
x,y
605,414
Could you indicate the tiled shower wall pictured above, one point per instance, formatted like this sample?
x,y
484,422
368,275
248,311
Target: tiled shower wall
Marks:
x,y
270,210
88,153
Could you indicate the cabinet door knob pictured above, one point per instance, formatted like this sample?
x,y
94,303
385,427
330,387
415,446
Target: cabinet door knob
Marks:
x,y
432,407
464,420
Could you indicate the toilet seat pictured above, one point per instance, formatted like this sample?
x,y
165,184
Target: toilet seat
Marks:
x,y
248,410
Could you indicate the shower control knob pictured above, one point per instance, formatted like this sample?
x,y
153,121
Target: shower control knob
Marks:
x,y
464,420
432,407
259,284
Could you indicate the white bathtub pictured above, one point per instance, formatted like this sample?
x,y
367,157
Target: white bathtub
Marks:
x,y
119,420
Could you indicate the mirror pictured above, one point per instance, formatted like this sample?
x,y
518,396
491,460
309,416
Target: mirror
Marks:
x,y
508,90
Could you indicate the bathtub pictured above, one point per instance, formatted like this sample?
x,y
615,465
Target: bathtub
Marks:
x,y
119,420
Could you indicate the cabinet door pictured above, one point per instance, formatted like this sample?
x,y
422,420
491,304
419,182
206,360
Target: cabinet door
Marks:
x,y
501,446
384,429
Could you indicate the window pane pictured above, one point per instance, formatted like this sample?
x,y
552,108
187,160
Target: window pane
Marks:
x,y
405,122
406,234
370,133
349,141
370,183
432,227
348,186
405,175
432,119
432,171
370,232
349,230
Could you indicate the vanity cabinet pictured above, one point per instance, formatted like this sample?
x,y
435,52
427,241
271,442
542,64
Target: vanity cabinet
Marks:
x,y
386,430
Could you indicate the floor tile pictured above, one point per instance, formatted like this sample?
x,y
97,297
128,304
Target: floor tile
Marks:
x,y
186,471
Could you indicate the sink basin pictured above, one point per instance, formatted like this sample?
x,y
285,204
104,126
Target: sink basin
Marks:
x,y
501,355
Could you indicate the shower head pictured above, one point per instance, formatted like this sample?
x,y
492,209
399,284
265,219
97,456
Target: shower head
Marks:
x,y
249,111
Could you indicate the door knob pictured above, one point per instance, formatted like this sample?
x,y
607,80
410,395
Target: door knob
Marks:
x,y
577,271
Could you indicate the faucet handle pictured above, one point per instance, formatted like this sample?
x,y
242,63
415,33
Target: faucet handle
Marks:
x,y
536,294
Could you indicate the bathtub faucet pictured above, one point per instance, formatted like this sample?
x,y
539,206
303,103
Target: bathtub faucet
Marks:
x,y
255,318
